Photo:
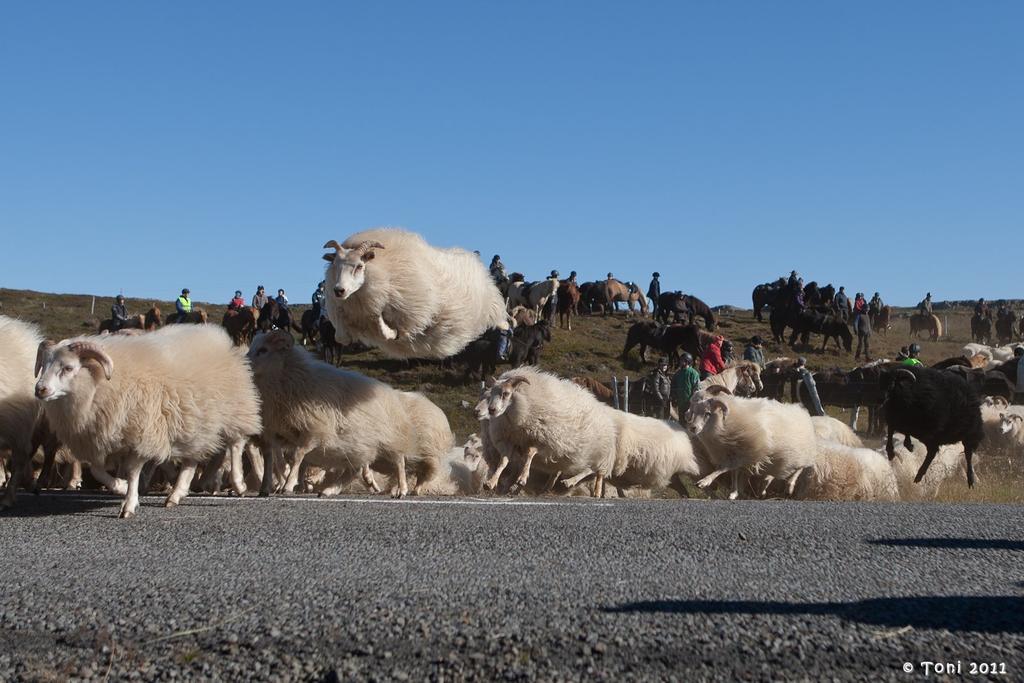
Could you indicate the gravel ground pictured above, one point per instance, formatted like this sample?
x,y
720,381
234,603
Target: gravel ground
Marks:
x,y
307,589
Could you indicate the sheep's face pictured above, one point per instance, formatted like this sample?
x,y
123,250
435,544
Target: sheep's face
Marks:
x,y
481,407
268,350
472,453
63,369
347,272
500,396
749,381
1009,423
705,414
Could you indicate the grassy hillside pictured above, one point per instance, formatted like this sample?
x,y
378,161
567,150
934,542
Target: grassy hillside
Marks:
x,y
593,349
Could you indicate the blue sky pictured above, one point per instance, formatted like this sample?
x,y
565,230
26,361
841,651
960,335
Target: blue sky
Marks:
x,y
148,146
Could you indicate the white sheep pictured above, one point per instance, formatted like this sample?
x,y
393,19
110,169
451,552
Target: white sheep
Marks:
x,y
342,420
181,393
533,415
843,472
650,453
828,428
389,289
1011,426
948,463
19,410
756,436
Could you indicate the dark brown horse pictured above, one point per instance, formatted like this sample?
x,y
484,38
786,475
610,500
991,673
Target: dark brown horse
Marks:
x,y
240,325
667,339
677,305
568,303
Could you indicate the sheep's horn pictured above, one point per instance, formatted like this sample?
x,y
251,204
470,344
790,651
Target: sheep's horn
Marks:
x,y
997,400
333,244
1015,416
367,244
44,348
715,404
908,373
86,350
516,380
716,389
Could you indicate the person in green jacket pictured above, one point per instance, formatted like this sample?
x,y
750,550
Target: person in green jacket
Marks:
x,y
912,358
684,383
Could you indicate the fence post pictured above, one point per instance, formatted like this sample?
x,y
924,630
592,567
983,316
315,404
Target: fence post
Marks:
x,y
615,392
92,311
627,394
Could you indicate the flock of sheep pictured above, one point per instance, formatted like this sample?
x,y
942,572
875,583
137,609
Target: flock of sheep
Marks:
x,y
134,409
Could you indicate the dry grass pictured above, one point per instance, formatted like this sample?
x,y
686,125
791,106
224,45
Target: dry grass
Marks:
x,y
592,349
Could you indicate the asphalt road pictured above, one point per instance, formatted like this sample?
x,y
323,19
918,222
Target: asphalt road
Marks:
x,y
301,588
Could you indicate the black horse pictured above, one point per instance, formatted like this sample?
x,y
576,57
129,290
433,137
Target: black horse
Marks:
x,y
677,305
667,339
981,329
767,295
1004,327
481,355
274,316
806,322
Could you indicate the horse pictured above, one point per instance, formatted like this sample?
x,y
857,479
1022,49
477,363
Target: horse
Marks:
x,y
196,316
827,325
1020,328
1004,327
274,316
537,294
592,295
981,328
677,304
153,319
310,325
134,322
668,340
880,319
922,322
568,303
240,325
766,295
615,290
741,379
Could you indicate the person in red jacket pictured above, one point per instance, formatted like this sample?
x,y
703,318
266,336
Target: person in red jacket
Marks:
x,y
711,362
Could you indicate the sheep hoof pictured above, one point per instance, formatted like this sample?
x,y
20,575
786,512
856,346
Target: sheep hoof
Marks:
x,y
126,512
705,482
264,494
170,502
734,495
120,487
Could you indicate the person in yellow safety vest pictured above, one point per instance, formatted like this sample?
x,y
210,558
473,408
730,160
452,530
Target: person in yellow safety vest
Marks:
x,y
183,305
912,358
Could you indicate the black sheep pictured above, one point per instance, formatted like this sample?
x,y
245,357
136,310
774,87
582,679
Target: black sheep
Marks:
x,y
937,407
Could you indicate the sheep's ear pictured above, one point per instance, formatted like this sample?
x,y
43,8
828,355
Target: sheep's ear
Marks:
x,y
329,257
715,404
490,382
368,256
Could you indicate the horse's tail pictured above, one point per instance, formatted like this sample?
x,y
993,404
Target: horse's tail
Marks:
x,y
937,324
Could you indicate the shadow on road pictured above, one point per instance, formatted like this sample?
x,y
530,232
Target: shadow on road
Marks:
x,y
989,614
951,543
60,504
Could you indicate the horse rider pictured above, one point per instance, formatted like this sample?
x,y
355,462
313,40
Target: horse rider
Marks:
x,y
711,362
912,359
497,269
727,356
282,299
925,307
1018,355
654,291
862,326
260,299
981,309
319,296
572,277
875,305
793,279
237,303
798,296
754,351
842,304
810,385
659,385
684,383
183,305
118,314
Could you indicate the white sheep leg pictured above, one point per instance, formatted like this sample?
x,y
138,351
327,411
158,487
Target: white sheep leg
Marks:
x,y
403,484
237,479
524,474
710,479
572,481
492,483
371,482
599,485
793,479
735,485
252,452
554,480
293,474
386,330
75,482
768,479
130,506
183,483
114,485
